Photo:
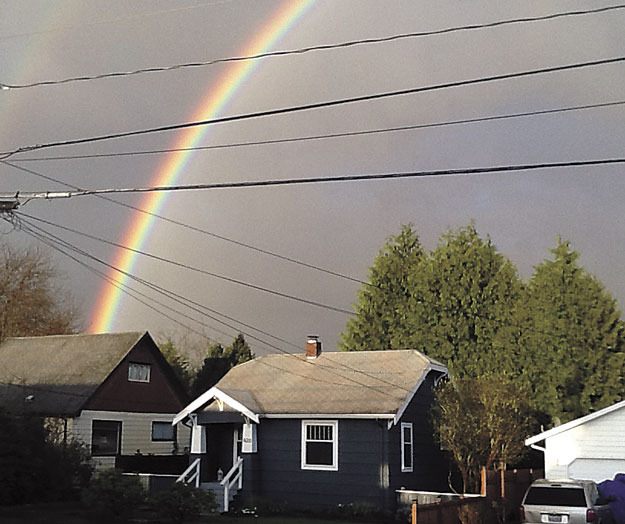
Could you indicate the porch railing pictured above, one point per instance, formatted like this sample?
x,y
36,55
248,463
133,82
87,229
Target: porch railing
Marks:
x,y
191,474
234,476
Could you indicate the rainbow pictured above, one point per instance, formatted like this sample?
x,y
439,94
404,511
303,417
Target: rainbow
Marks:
x,y
226,87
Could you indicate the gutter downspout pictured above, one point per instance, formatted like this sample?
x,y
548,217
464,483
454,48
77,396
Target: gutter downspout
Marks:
x,y
538,448
544,452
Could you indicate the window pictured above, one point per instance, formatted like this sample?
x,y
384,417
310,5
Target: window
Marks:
x,y
105,437
560,496
163,431
320,449
138,372
406,447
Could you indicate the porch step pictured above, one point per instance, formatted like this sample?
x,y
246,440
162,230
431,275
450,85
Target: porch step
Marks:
x,y
218,490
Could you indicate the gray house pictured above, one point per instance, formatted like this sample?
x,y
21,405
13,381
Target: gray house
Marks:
x,y
319,430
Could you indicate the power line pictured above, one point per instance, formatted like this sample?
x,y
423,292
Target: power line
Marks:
x,y
167,293
331,371
54,241
189,267
185,301
315,180
328,135
124,288
322,47
316,105
197,229
160,290
54,244
270,253
517,326
193,268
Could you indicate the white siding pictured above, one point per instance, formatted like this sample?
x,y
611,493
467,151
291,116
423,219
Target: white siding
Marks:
x,y
136,432
596,469
594,450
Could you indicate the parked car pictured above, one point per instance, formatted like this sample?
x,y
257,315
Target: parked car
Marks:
x,y
564,502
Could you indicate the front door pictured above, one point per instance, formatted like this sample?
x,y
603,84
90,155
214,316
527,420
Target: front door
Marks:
x,y
221,446
237,442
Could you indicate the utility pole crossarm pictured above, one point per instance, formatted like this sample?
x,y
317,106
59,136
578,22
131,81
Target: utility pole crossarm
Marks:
x,y
48,195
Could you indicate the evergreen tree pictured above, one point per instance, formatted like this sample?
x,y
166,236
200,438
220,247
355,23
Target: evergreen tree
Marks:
x,y
178,362
572,338
218,362
472,291
238,352
380,321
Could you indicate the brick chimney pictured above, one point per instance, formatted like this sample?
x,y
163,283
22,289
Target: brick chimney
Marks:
x,y
313,346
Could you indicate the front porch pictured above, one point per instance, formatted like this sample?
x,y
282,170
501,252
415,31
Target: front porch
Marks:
x,y
224,490
217,447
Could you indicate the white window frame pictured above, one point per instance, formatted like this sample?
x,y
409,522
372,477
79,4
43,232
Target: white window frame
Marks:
x,y
407,468
335,445
142,365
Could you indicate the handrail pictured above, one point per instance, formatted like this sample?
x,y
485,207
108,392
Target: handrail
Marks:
x,y
236,473
192,472
232,471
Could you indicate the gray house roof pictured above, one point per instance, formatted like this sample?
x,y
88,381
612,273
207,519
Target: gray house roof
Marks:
x,y
56,375
351,384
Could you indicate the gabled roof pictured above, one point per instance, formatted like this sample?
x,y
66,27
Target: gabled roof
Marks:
x,y
56,375
375,384
574,423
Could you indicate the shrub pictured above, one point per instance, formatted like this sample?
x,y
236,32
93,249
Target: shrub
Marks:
x,y
113,493
183,502
35,466
69,469
361,511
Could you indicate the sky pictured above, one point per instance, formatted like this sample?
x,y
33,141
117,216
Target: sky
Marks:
x,y
338,226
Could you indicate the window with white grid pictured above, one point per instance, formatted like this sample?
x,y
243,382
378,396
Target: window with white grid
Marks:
x,y
406,447
320,448
138,372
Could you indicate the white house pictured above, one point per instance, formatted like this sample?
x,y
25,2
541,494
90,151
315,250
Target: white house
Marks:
x,y
590,447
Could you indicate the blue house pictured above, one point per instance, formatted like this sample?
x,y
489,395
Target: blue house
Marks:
x,y
318,430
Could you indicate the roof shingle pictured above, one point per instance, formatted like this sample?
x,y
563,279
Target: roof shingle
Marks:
x,y
55,375
348,383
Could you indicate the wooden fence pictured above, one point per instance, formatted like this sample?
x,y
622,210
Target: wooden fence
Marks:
x,y
502,492
445,512
506,488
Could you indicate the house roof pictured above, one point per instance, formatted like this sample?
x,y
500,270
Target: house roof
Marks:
x,y
574,423
56,375
360,383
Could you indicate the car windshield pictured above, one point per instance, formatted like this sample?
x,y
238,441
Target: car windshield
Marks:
x,y
556,496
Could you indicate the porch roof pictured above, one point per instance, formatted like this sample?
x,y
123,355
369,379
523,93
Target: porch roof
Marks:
x,y
361,383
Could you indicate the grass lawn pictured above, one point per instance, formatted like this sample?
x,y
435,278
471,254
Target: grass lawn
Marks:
x,y
75,514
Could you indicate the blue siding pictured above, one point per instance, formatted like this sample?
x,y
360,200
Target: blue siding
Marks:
x,y
275,472
369,461
431,466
